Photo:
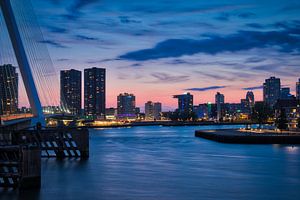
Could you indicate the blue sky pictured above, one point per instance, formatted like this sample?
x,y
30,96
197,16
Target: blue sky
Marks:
x,y
158,48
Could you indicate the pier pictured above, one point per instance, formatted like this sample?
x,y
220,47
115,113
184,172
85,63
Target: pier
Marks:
x,y
250,137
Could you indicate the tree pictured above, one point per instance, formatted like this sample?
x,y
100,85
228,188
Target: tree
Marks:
x,y
261,113
281,121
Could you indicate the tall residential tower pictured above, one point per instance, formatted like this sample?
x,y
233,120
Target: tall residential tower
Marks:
x,y
70,91
8,89
94,93
185,102
272,91
126,106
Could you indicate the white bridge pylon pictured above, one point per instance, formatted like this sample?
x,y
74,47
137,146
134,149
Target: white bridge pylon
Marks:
x,y
22,60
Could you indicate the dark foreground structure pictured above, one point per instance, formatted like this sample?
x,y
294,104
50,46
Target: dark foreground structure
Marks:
x,y
21,152
244,137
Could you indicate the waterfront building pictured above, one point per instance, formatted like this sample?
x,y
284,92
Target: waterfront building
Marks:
x,y
70,91
185,102
201,111
8,89
94,93
111,113
286,94
152,110
291,107
245,106
126,106
220,100
157,109
298,89
271,91
149,110
251,99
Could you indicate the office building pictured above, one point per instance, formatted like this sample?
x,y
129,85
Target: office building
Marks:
x,y
285,93
157,110
185,102
251,99
126,106
220,100
271,91
94,93
111,113
153,110
8,89
149,110
245,106
70,91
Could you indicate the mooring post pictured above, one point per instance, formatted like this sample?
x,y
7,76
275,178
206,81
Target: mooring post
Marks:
x,y
30,167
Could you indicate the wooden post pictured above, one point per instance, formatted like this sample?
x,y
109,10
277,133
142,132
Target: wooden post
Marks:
x,y
30,167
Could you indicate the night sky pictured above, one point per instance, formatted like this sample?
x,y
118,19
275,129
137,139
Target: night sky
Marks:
x,y
159,48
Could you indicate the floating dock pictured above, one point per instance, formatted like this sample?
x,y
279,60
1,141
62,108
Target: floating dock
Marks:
x,y
250,137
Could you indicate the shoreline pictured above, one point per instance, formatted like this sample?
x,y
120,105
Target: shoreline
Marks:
x,y
169,124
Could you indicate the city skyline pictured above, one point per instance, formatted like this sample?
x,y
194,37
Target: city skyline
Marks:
x,y
130,40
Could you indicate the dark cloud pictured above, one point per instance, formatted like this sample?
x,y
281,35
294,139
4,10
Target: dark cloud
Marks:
x,y
215,76
254,88
225,16
255,25
54,29
167,78
255,60
74,11
286,40
82,37
53,43
62,59
205,88
128,20
246,15
136,65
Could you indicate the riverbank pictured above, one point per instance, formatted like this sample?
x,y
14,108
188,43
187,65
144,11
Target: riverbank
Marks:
x,y
250,137
167,123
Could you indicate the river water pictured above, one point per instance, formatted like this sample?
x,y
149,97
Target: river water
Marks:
x,y
169,163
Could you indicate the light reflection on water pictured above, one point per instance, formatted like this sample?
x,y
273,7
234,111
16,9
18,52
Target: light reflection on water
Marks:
x,y
170,163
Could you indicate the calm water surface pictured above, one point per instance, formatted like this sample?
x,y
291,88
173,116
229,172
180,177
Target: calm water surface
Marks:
x,y
169,163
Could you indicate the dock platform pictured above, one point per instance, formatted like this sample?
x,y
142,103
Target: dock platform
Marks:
x,y
235,136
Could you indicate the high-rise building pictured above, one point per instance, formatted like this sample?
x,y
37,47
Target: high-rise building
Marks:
x,y
157,108
149,110
245,106
185,102
8,89
70,90
152,110
126,106
250,98
271,91
220,100
94,92
285,93
298,89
